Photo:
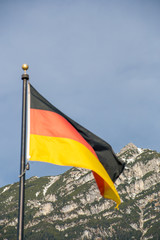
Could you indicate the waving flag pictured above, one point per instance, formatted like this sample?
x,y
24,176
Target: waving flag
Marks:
x,y
55,138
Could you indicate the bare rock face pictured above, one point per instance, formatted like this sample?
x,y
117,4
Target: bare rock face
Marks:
x,y
130,147
69,206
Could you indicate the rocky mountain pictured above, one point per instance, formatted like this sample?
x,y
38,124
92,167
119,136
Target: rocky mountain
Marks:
x,y
69,206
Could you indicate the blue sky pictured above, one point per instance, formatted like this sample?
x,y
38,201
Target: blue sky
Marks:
x,y
98,61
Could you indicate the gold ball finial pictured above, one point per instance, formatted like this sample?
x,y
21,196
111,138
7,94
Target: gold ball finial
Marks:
x,y
25,67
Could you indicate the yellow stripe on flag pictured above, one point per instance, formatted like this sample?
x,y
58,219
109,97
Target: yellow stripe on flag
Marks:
x,y
68,152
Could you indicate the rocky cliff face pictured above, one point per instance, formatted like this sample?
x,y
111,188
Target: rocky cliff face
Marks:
x,y
69,206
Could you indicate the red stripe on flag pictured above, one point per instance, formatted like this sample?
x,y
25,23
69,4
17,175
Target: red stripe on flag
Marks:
x,y
51,124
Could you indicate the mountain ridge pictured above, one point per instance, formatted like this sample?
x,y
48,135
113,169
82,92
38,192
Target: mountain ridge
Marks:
x,y
69,206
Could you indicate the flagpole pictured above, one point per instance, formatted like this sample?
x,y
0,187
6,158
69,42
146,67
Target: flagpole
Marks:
x,y
20,229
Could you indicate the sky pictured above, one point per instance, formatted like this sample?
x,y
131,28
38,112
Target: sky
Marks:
x,y
98,61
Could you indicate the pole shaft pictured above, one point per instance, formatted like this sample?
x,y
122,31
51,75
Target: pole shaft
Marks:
x,y
20,230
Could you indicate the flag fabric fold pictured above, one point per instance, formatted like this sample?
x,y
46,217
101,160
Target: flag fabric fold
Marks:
x,y
56,138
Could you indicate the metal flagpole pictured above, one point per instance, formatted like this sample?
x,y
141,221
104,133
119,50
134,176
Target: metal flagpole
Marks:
x,y
20,229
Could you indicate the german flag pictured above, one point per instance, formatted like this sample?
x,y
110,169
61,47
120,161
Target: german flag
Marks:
x,y
55,138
